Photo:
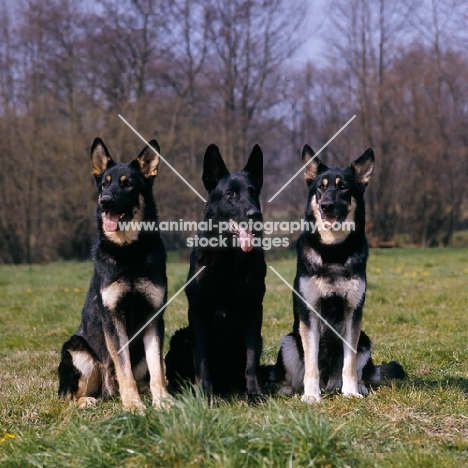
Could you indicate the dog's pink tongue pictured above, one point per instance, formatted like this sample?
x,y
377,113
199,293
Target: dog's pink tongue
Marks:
x,y
111,221
328,221
245,240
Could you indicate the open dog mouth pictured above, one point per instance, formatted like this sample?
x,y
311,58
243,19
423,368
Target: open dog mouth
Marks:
x,y
111,220
328,220
245,236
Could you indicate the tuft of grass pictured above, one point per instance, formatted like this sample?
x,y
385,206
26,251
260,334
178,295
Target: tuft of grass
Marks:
x,y
415,313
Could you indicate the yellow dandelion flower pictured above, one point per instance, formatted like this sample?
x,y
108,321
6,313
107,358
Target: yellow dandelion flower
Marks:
x,y
377,270
66,290
77,290
29,290
7,436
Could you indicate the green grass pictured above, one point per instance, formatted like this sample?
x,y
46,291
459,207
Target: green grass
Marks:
x,y
415,313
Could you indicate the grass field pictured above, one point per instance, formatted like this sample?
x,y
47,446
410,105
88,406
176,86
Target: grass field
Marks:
x,y
416,313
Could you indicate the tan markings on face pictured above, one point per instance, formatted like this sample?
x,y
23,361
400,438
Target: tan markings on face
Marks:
x,y
328,236
337,180
123,178
108,178
325,183
128,235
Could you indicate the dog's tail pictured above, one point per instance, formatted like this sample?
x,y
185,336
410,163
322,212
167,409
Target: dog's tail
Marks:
x,y
375,375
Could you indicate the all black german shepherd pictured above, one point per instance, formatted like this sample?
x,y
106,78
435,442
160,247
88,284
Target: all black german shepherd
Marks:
x,y
331,278
220,349
128,287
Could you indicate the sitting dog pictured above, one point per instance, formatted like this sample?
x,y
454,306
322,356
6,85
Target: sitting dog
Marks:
x,y
327,349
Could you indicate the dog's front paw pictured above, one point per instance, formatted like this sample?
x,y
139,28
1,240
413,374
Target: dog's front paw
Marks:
x,y
86,402
134,405
311,399
350,388
351,394
163,402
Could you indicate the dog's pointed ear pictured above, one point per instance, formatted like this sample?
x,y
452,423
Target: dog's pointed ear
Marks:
x,y
101,159
147,161
312,164
254,166
213,168
363,167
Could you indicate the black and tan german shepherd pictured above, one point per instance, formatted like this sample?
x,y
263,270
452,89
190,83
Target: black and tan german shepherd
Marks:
x,y
127,289
220,350
331,280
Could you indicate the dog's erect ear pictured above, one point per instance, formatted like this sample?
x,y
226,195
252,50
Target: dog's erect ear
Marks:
x,y
213,168
101,160
312,164
363,167
148,161
254,166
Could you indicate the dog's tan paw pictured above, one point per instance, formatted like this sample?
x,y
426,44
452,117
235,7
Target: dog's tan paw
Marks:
x,y
163,402
311,399
134,405
86,402
352,395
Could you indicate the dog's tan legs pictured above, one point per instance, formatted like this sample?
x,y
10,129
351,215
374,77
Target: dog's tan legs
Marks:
x,y
154,358
351,336
127,386
310,336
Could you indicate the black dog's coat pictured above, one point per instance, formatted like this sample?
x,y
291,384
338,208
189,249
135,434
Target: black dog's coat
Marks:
x,y
220,350
128,287
331,277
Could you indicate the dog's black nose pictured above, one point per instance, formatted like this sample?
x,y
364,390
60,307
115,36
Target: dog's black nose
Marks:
x,y
327,207
253,214
107,201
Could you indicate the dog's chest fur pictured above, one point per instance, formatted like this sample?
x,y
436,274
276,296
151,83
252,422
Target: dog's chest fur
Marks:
x,y
330,280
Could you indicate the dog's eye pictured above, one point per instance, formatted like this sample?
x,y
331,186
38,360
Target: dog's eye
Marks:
x,y
230,193
105,183
342,186
126,183
322,186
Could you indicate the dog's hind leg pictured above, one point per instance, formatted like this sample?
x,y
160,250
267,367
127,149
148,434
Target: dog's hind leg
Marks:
x,y
79,372
289,367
